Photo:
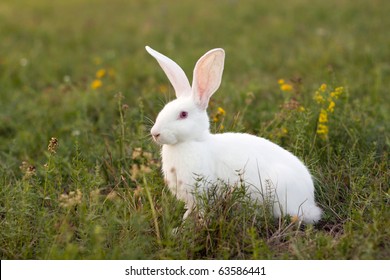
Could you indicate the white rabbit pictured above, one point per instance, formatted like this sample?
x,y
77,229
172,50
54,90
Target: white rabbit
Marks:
x,y
189,150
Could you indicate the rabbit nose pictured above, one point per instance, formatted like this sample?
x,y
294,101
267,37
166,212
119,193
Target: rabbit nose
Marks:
x,y
155,134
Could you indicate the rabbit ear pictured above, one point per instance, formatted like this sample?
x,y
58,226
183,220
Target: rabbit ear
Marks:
x,y
207,76
175,74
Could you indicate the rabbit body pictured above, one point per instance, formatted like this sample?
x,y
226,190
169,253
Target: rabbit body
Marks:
x,y
269,171
190,151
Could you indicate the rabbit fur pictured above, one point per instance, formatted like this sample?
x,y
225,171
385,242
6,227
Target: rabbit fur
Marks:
x,y
189,150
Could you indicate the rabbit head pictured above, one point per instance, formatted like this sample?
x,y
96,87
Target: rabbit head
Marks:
x,y
185,118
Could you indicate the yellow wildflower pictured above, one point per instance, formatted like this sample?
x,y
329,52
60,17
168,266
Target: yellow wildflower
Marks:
x,y
286,87
96,84
100,73
280,81
337,92
322,130
331,106
318,97
221,111
327,100
301,109
323,118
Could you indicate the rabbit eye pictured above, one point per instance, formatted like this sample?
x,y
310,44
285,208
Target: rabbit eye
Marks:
x,y
183,115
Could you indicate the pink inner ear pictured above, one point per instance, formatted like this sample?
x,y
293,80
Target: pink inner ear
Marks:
x,y
203,94
202,73
202,90
207,76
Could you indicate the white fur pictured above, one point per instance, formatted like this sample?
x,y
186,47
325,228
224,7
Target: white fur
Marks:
x,y
190,151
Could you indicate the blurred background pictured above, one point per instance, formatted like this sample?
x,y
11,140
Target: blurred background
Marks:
x,y
58,46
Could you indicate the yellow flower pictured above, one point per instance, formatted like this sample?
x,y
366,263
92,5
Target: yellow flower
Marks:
x,y
318,97
286,87
100,73
323,117
331,106
96,84
301,109
322,130
327,100
280,81
337,92
221,111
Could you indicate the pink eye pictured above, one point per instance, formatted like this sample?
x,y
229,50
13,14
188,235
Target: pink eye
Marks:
x,y
183,115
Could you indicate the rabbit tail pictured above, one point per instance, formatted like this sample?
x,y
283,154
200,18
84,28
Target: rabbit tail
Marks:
x,y
311,214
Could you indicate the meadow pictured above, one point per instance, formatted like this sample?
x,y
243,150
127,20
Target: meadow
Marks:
x,y
80,176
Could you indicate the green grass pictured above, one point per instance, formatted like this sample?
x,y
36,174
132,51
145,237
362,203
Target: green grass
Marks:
x,y
100,195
